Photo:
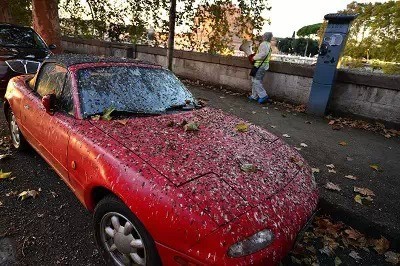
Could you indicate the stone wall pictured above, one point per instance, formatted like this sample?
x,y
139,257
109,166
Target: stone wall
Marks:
x,y
365,95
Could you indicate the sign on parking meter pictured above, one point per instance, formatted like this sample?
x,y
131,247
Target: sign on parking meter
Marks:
x,y
331,48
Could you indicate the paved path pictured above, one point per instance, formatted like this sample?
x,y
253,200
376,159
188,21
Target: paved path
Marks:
x,y
364,148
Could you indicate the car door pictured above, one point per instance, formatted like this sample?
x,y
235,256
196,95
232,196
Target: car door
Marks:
x,y
50,130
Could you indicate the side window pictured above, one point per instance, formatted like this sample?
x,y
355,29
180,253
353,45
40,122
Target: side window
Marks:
x,y
65,102
51,79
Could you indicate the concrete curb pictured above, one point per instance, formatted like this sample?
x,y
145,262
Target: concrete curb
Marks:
x,y
360,222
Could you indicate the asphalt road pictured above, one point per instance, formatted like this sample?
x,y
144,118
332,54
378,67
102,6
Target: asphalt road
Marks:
x,y
54,228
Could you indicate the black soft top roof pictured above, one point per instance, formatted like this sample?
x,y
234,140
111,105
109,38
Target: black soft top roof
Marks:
x,y
75,59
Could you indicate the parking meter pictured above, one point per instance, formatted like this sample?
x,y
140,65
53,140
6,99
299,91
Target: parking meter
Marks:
x,y
331,48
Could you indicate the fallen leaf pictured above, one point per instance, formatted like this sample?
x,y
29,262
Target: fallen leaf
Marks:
x,y
4,175
349,159
330,166
343,143
53,194
254,112
28,193
4,156
331,122
392,257
315,170
374,167
191,126
284,115
242,127
303,145
297,148
358,199
353,234
332,186
308,122
364,191
170,124
338,261
351,177
354,255
363,200
273,126
381,245
1,204
337,127
248,167
286,135
123,121
107,114
332,171
95,117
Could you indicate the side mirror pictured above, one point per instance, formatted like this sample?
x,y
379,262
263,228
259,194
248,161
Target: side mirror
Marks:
x,y
48,102
52,46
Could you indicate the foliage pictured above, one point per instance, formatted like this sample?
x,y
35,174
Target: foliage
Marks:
x,y
21,12
309,30
298,46
375,32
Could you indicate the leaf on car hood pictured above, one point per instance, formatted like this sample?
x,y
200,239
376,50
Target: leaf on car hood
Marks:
x,y
107,114
191,126
27,194
242,127
4,175
123,121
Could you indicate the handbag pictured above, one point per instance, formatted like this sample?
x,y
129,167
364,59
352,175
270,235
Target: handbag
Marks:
x,y
254,69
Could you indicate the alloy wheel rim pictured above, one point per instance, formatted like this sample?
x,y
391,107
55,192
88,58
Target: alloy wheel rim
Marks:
x,y
15,135
122,240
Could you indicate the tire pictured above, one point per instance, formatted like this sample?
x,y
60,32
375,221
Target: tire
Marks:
x,y
116,246
17,139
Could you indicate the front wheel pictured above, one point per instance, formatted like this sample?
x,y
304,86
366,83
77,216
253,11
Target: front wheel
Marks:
x,y
18,141
122,238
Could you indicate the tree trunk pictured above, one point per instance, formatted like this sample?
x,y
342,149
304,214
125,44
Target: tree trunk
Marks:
x,y
305,51
5,15
172,18
46,22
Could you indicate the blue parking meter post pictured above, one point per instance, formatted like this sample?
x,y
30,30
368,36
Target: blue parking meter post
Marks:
x,y
331,48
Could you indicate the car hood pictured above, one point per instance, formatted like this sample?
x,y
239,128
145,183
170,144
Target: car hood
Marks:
x,y
255,164
35,54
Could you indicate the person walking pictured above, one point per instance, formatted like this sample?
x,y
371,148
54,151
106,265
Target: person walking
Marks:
x,y
261,61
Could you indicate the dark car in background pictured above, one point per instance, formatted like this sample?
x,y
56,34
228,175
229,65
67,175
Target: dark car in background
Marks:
x,y
21,52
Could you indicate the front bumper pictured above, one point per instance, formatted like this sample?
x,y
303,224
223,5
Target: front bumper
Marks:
x,y
286,213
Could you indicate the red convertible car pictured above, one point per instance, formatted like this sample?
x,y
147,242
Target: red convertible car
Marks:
x,y
169,181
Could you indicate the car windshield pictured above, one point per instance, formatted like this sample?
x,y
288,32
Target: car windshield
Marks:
x,y
130,89
19,37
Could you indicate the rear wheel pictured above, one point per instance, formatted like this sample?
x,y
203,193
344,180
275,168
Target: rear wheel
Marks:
x,y
18,141
121,236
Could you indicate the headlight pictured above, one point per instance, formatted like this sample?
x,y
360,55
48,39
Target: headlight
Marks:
x,y
252,244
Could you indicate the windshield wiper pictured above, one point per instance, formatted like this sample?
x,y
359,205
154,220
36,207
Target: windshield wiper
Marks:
x,y
118,113
184,107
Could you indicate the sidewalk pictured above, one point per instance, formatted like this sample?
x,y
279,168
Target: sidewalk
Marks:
x,y
359,150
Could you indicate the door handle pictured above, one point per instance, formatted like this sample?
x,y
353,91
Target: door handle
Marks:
x,y
26,107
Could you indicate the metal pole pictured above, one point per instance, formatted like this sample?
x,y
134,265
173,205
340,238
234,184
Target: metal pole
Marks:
x,y
172,18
